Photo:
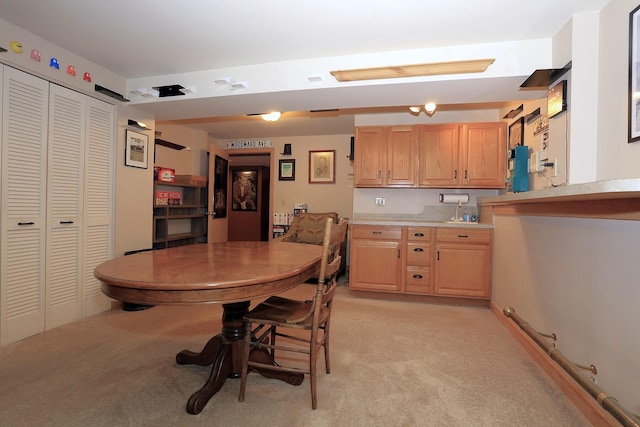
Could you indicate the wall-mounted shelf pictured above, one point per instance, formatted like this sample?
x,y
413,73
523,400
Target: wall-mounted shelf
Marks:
x,y
532,115
168,144
511,114
542,79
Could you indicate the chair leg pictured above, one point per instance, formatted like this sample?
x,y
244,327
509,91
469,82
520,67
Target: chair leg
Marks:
x,y
312,370
327,362
245,361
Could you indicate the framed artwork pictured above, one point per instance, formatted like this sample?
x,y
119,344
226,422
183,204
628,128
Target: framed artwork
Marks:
x,y
136,149
634,76
516,133
220,187
322,167
244,190
287,170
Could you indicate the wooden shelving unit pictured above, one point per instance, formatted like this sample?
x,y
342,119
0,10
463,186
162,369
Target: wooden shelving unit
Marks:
x,y
180,224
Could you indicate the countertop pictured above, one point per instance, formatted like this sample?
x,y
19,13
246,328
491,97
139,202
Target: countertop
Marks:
x,y
391,220
598,190
612,199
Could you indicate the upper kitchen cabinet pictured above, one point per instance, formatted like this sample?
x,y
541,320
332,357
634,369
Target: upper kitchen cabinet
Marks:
x,y
385,156
483,155
438,155
471,155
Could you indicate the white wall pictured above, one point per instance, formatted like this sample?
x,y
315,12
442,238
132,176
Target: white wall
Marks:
x,y
318,197
186,161
23,61
133,189
616,157
578,277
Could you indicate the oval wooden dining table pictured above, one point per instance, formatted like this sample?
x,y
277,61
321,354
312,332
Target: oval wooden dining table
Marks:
x,y
230,273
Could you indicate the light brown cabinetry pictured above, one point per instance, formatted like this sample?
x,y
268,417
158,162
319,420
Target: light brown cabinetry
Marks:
x,y
418,260
432,261
453,155
463,262
376,258
471,155
179,224
385,156
483,155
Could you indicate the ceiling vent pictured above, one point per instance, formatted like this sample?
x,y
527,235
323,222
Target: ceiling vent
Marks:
x,y
170,90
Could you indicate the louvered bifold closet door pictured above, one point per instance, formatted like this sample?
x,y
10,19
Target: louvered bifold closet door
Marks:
x,y
99,154
22,220
64,206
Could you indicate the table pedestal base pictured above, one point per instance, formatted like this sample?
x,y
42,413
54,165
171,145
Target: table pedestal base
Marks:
x,y
224,353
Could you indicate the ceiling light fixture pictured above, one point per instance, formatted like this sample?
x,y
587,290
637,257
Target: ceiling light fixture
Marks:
x,y
271,117
415,70
429,109
239,85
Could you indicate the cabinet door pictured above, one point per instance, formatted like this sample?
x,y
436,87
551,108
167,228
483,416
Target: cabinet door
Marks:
x,y
98,200
23,178
369,156
438,147
401,159
64,206
375,265
463,270
484,155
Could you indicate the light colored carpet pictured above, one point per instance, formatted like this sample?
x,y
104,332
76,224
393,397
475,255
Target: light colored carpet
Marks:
x,y
393,364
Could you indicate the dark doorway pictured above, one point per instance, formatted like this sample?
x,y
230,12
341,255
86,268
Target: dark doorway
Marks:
x,y
249,192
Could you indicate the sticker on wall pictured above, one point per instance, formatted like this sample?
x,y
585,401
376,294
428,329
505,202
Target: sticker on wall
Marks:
x,y
16,46
54,63
87,77
35,55
71,70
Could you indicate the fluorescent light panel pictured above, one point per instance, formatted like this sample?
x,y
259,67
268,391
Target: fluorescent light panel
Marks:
x,y
415,70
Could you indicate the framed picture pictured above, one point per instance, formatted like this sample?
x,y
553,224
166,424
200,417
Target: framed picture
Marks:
x,y
244,190
634,76
136,149
220,187
516,133
287,170
322,167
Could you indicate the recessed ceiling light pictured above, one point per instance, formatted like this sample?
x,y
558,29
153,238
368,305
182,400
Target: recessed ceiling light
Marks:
x,y
240,85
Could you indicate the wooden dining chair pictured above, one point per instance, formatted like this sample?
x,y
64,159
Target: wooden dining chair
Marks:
x,y
265,324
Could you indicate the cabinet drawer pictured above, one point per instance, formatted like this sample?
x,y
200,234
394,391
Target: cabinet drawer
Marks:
x,y
376,232
419,234
418,254
463,235
418,281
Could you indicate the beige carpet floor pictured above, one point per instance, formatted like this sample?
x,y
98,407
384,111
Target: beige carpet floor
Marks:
x,y
393,364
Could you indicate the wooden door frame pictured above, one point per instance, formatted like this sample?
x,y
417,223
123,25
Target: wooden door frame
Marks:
x,y
272,171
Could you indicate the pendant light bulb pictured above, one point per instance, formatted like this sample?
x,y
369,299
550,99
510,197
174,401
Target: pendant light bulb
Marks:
x,y
271,117
430,107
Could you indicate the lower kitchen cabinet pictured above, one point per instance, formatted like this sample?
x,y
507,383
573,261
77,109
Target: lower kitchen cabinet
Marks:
x,y
418,260
376,258
463,263
431,261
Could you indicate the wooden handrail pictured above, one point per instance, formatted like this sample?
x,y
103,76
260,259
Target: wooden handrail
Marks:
x,y
609,403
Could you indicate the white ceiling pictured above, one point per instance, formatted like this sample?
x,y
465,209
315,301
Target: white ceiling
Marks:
x,y
144,39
